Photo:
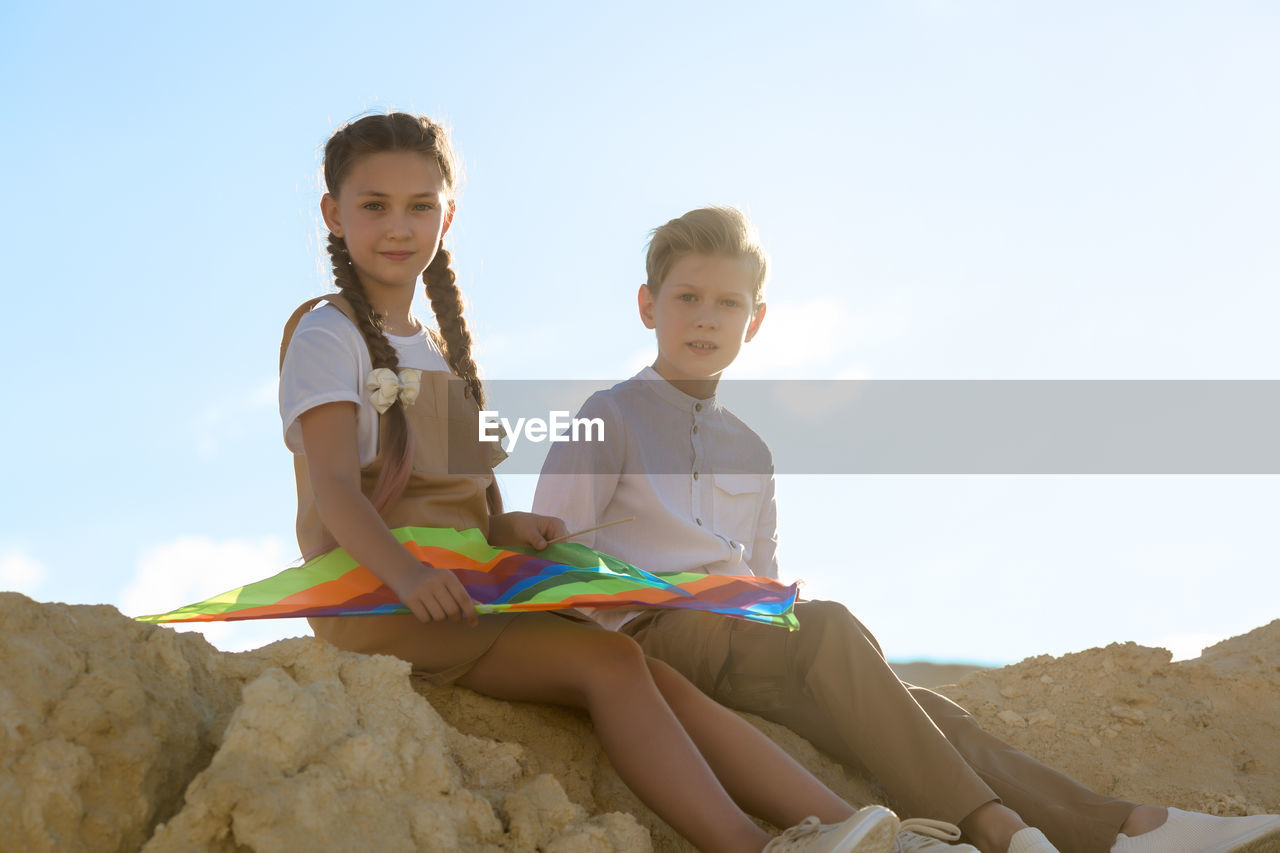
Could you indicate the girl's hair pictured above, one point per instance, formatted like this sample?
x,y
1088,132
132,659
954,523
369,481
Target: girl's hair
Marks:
x,y
710,231
375,134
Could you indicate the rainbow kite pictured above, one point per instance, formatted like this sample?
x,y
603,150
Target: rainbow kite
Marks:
x,y
564,575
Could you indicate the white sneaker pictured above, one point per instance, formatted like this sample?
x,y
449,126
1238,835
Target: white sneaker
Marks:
x,y
1193,832
925,835
871,830
1030,840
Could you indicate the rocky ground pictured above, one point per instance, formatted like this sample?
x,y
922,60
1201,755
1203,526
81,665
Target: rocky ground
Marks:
x,y
119,736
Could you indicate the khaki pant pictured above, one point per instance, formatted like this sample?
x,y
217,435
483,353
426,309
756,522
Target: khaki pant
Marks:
x,y
829,683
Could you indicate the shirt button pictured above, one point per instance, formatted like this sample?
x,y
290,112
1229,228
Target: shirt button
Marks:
x,y
697,407
699,521
695,475
695,429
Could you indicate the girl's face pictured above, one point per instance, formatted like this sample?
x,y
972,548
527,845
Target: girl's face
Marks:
x,y
391,209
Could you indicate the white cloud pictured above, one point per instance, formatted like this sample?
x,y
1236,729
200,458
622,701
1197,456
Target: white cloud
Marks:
x,y
233,417
795,335
821,411
820,335
853,372
20,573
191,569
638,360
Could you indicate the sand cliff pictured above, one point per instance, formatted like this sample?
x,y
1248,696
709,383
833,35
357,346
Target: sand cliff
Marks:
x,y
119,736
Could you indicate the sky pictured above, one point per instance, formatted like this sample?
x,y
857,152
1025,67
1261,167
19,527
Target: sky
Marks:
x,y
979,190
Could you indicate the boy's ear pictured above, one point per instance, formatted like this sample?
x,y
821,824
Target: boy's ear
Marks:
x,y
757,317
329,210
644,298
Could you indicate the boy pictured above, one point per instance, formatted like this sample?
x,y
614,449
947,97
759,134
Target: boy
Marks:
x,y
700,484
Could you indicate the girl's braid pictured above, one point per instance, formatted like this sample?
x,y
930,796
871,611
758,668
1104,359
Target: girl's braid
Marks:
x,y
398,453
381,352
446,303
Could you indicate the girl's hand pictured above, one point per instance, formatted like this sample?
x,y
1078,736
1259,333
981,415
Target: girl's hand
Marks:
x,y
333,460
434,595
524,528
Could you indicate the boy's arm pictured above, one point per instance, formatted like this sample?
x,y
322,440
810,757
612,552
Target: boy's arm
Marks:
x,y
579,478
764,547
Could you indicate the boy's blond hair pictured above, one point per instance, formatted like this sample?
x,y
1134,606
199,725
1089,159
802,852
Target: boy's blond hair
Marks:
x,y
711,231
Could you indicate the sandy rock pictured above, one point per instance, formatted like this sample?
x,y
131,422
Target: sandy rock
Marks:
x,y
117,736
561,743
325,752
1201,734
105,720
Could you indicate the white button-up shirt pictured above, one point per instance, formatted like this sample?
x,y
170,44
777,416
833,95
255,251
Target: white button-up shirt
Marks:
x,y
698,480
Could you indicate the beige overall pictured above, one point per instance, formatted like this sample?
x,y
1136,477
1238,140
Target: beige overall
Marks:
x,y
443,424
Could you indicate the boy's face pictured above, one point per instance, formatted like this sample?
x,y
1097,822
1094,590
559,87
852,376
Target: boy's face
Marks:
x,y
703,314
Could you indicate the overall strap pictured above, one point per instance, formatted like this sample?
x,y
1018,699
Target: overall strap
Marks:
x,y
337,300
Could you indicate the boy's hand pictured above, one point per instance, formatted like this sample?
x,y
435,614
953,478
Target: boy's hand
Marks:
x,y
434,595
524,528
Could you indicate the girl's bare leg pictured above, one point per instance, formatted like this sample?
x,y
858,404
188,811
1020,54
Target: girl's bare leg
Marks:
x,y
544,658
759,775
768,782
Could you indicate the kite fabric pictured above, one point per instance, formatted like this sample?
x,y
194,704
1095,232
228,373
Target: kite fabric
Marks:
x,y
562,576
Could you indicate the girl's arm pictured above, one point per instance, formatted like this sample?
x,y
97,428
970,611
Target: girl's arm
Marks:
x,y
333,462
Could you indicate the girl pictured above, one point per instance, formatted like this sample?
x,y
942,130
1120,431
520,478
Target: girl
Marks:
x,y
379,411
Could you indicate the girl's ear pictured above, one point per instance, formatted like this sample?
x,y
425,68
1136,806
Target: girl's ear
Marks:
x,y
448,217
644,298
757,317
329,210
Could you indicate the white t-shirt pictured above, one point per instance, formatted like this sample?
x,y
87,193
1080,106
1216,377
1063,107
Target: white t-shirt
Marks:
x,y
698,480
328,362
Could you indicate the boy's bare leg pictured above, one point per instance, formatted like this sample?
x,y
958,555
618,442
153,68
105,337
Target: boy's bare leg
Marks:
x,y
760,776
544,658
1143,819
991,826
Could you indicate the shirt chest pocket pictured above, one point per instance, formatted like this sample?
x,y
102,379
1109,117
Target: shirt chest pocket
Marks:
x,y
736,502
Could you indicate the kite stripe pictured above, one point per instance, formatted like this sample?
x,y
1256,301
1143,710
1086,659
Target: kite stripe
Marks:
x,y
562,576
